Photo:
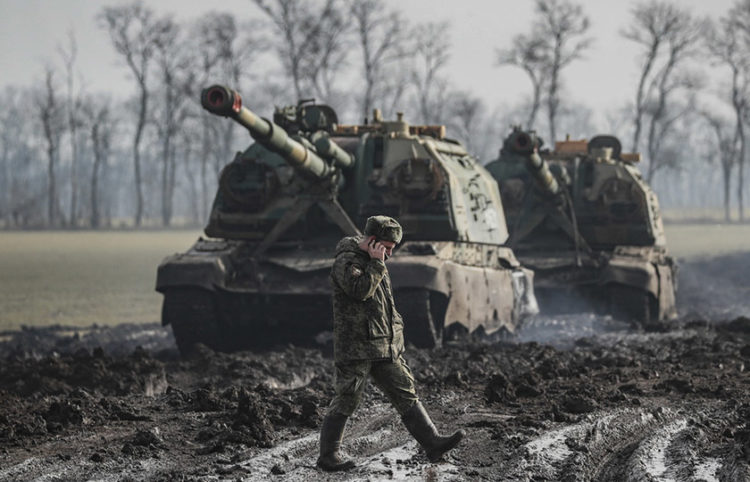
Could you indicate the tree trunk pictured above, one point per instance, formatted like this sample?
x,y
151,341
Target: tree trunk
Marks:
x,y
727,186
69,57
73,176
165,153
368,99
137,174
741,177
639,94
171,181
740,161
369,79
95,217
205,151
168,179
137,156
552,100
7,198
192,185
51,186
535,101
97,148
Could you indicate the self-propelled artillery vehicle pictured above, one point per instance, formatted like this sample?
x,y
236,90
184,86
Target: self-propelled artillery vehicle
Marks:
x,y
582,217
261,276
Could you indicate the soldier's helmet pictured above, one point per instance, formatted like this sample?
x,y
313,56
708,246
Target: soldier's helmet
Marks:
x,y
384,227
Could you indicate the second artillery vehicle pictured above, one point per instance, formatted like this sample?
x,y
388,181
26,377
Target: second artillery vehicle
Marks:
x,y
261,276
584,220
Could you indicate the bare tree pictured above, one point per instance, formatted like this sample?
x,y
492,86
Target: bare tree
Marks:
x,y
465,113
561,23
24,186
662,111
726,147
575,120
51,114
670,36
530,53
665,123
176,77
431,54
69,55
309,42
729,44
382,35
652,23
100,122
190,144
226,52
214,33
328,58
134,31
8,135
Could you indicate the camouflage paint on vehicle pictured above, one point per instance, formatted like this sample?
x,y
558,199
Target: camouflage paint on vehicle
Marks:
x,y
261,276
584,220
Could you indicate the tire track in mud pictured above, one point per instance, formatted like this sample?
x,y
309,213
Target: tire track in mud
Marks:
x,y
373,440
54,469
630,445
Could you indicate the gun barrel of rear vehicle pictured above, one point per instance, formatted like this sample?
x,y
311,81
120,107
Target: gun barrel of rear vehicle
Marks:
x,y
525,144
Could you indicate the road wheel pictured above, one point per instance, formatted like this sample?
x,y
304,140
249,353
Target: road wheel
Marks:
x,y
424,316
633,305
193,316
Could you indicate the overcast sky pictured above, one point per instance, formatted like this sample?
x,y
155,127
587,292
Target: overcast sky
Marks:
x,y
30,30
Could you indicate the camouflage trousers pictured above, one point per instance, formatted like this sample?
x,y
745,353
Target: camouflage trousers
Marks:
x,y
393,378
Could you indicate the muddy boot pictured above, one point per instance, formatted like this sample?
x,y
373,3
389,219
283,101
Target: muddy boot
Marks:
x,y
422,429
331,434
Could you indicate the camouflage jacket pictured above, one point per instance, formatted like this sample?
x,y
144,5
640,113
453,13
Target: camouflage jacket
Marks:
x,y
366,325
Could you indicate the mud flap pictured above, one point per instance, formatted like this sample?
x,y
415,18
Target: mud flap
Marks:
x,y
524,300
667,288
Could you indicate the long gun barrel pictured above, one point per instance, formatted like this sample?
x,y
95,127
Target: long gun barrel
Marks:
x,y
525,144
226,102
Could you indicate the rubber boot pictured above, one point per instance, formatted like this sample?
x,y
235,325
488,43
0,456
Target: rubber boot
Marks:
x,y
331,434
423,430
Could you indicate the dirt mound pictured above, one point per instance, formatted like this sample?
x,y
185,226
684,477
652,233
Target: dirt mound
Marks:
x,y
119,340
215,402
98,372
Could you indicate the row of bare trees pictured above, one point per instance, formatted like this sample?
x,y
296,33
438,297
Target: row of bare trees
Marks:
x,y
309,48
73,158
674,101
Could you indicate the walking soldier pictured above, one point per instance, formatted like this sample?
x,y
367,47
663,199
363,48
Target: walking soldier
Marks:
x,y
368,338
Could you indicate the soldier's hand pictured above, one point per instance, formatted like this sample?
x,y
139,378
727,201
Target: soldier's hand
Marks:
x,y
376,250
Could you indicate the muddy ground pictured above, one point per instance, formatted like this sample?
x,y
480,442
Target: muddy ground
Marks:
x,y
574,398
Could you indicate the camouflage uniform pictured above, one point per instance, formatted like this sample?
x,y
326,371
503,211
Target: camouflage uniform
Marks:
x,y
368,340
368,331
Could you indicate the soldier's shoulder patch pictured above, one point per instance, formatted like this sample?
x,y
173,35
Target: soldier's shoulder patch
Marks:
x,y
356,270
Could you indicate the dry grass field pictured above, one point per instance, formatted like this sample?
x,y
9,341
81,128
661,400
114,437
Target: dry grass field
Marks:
x,y
84,277
704,240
